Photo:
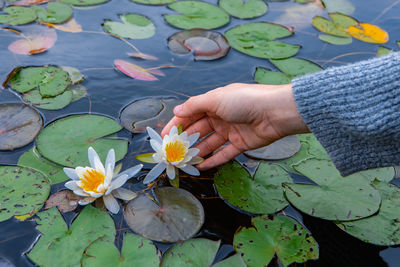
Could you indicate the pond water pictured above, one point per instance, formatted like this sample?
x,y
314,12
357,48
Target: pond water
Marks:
x,y
109,91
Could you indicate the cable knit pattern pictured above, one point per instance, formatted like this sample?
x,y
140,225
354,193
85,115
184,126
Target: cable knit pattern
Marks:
x,y
354,111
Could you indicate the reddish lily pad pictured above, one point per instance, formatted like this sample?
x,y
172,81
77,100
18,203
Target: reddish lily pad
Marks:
x,y
135,71
177,216
65,200
19,125
38,40
206,45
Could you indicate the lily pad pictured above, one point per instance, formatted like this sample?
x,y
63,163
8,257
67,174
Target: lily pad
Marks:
x,y
262,194
17,15
244,10
50,103
331,39
333,197
281,149
148,112
19,125
55,13
233,261
177,216
257,39
23,191
36,41
279,235
55,82
154,2
382,228
368,33
206,45
197,14
66,140
326,26
60,244
74,74
25,79
84,2
383,51
136,72
343,6
65,200
78,92
32,159
296,67
266,76
136,251
134,26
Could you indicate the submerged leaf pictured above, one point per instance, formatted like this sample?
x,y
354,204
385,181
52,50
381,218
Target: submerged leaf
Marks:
x,y
244,9
197,14
23,191
17,15
368,33
281,235
19,125
134,26
383,51
36,41
178,216
331,39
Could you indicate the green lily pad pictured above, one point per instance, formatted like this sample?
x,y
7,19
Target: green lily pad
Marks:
x,y
281,149
55,13
266,76
58,244
23,191
197,14
84,2
296,67
134,26
74,74
257,39
50,103
151,112
315,149
342,21
233,261
136,251
383,51
331,39
342,6
19,125
178,216
32,159
334,197
154,2
194,252
326,26
262,194
279,235
244,10
54,82
382,228
17,15
66,140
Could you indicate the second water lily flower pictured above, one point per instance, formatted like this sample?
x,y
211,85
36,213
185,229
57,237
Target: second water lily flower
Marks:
x,y
173,152
96,181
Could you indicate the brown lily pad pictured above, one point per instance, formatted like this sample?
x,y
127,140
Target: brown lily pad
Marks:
x,y
19,125
206,45
65,200
281,149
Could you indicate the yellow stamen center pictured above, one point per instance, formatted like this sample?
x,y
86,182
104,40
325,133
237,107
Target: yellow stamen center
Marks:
x,y
91,180
175,151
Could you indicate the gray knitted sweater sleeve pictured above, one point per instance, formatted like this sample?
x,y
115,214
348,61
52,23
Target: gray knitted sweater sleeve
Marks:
x,y
354,111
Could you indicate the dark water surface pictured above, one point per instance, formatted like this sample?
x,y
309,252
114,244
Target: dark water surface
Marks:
x,y
109,91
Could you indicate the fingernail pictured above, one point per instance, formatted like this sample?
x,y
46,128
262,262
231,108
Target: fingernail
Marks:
x,y
178,109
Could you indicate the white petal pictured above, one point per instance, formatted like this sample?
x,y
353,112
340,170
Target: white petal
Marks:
x,y
195,161
155,172
71,185
183,135
80,192
100,188
117,183
193,138
131,172
157,157
92,154
124,194
71,173
173,131
156,145
191,170
171,171
111,204
154,135
86,200
81,170
192,152
99,166
110,160
109,175
93,194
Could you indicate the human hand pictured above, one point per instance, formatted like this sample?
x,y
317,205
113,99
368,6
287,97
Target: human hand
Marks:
x,y
249,116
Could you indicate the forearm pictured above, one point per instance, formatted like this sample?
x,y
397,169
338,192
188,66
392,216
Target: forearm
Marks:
x,y
354,111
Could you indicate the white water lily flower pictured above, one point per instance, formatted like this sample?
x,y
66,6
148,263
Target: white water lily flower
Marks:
x,y
173,152
96,181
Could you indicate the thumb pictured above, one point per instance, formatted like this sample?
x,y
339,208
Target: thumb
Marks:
x,y
195,105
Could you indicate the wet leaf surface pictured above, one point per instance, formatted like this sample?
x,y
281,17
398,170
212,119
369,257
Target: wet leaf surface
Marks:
x,y
148,112
65,200
17,15
37,40
66,140
136,251
281,149
244,9
261,194
55,12
333,197
134,26
206,45
279,235
58,243
258,39
23,191
19,125
179,215
196,14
